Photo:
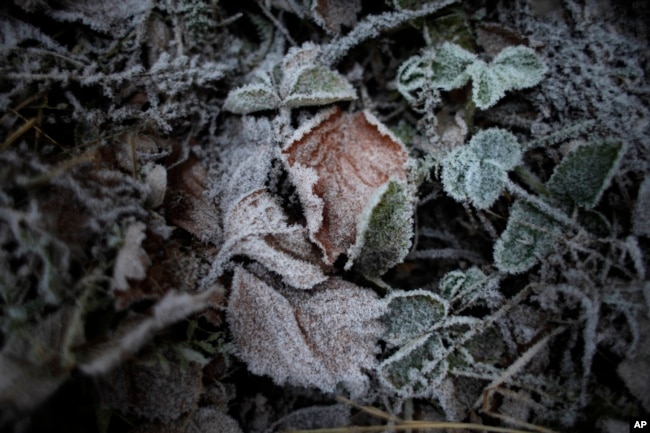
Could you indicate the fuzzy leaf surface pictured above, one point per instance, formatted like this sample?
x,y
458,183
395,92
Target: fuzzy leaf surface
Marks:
x,y
415,368
586,172
338,161
251,98
411,314
529,235
316,339
384,231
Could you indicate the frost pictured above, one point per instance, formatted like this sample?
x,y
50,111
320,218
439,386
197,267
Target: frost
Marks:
x,y
586,172
478,171
640,222
416,368
317,85
352,157
450,67
318,338
384,230
411,314
528,237
132,260
459,283
257,228
304,83
252,97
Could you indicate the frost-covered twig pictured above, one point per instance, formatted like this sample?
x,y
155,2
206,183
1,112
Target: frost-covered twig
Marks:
x,y
373,25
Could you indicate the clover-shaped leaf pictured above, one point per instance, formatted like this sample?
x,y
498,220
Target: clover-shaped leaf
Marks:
x,y
529,235
449,66
586,172
302,82
457,283
411,314
478,172
415,368
519,67
338,163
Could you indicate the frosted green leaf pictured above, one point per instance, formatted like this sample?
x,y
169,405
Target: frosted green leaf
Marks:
x,y
498,147
484,184
411,314
514,68
585,173
416,368
487,86
449,66
384,230
458,282
410,77
519,67
478,172
250,98
455,167
529,236
317,85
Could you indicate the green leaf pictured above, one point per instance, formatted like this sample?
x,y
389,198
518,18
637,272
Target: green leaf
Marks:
x,y
455,166
498,147
449,66
519,67
585,173
478,172
411,314
457,283
250,98
484,183
317,85
415,368
487,86
529,236
384,230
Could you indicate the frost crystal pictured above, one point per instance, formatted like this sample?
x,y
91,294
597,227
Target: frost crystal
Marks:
x,y
478,171
345,159
585,173
317,338
529,236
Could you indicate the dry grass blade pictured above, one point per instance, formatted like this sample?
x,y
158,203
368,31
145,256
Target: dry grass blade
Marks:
x,y
18,133
410,425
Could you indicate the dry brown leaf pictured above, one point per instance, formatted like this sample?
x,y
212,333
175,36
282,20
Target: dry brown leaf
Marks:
x,y
186,204
257,228
316,338
332,14
337,161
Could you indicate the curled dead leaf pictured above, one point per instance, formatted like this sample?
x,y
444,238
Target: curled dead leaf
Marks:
x,y
337,162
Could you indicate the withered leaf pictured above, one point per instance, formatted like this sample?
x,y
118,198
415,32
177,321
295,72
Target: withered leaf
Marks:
x,y
316,338
257,228
337,162
186,203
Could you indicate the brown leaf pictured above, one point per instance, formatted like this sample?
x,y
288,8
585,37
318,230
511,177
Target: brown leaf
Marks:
x,y
494,37
316,338
186,204
332,14
257,228
337,161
